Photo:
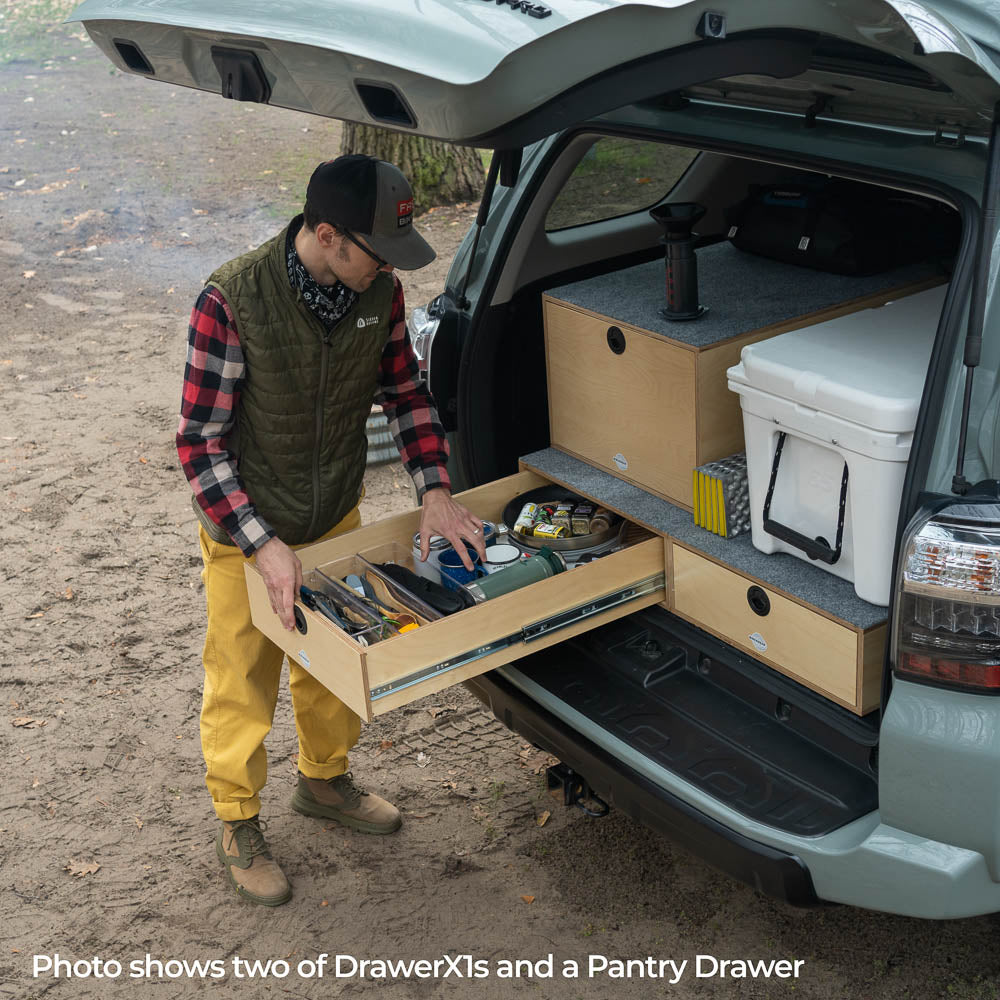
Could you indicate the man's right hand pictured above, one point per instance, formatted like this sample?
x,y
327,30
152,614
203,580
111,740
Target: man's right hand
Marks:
x,y
282,572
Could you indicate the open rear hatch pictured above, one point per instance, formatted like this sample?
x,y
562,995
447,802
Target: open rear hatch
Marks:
x,y
502,74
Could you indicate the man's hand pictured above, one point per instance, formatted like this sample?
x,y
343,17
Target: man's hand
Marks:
x,y
441,515
282,573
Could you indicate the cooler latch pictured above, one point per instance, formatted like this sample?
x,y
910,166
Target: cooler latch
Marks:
x,y
815,548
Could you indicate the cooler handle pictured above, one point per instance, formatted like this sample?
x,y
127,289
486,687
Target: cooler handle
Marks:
x,y
814,548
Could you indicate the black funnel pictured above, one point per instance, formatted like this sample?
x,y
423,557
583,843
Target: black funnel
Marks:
x,y
678,220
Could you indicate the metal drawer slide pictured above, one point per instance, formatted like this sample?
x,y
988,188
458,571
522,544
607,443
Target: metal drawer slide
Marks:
x,y
528,634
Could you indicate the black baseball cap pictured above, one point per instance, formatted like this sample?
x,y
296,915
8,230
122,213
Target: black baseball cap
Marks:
x,y
370,198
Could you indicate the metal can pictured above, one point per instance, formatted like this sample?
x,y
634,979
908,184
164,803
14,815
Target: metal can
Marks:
x,y
563,515
580,521
526,519
550,531
429,569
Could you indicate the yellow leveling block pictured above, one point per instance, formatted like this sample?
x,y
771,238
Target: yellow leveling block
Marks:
x,y
722,497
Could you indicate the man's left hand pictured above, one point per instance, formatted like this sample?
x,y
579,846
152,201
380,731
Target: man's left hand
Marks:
x,y
442,515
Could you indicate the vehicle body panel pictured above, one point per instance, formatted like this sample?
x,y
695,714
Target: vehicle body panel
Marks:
x,y
449,60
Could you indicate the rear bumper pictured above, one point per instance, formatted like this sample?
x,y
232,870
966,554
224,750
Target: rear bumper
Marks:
x,y
866,863
766,869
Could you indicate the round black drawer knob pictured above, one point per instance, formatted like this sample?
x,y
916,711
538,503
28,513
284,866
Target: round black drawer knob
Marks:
x,y
616,340
760,603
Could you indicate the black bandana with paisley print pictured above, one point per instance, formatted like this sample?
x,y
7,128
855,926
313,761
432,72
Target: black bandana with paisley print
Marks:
x,y
330,303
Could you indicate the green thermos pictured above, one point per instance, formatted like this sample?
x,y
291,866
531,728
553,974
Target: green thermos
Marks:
x,y
547,563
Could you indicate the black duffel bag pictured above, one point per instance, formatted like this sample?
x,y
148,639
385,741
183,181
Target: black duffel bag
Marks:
x,y
841,226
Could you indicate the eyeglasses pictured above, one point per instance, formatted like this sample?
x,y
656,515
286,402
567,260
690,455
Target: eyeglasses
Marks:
x,y
371,253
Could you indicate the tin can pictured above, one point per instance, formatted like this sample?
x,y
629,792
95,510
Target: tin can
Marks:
x,y
526,519
563,515
429,569
580,521
550,531
544,513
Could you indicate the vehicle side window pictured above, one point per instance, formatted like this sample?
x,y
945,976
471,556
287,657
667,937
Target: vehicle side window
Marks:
x,y
615,177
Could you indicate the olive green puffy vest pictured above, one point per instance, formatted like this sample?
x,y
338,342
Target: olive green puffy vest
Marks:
x,y
300,434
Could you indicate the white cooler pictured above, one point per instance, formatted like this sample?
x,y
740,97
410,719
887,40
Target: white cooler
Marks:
x,y
828,416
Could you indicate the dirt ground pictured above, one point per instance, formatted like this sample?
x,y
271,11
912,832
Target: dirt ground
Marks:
x,y
117,197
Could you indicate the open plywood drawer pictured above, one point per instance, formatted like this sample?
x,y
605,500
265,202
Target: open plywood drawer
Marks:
x,y
402,668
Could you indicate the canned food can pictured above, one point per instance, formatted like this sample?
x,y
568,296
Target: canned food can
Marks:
x,y
550,531
563,515
580,521
526,519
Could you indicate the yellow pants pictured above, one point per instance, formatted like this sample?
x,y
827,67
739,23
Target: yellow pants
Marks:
x,y
242,671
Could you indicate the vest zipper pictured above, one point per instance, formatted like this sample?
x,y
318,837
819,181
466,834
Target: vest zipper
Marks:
x,y
320,397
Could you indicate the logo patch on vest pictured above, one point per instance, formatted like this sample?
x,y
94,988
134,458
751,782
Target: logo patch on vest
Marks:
x,y
367,321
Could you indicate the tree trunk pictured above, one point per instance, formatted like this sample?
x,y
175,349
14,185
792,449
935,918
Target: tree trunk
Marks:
x,y
440,174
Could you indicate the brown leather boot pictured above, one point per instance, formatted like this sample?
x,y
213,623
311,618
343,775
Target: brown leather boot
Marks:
x,y
341,799
254,873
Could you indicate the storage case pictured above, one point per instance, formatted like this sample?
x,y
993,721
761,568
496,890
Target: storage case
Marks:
x,y
646,399
828,417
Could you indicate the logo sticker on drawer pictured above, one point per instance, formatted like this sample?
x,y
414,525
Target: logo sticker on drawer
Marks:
x,y
758,641
304,659
621,461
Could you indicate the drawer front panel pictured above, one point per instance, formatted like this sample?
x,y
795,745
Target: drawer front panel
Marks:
x,y
807,646
405,667
639,405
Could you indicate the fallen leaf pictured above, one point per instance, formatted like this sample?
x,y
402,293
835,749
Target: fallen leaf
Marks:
x,y
26,722
422,760
170,290
544,818
68,594
325,903
643,180
145,461
35,783
138,822
385,744
37,614
28,274
528,899
80,868
436,711
79,395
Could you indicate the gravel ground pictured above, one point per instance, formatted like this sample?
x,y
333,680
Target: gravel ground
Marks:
x,y
117,197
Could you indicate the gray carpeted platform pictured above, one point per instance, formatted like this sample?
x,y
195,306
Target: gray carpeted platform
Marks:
x,y
794,576
742,293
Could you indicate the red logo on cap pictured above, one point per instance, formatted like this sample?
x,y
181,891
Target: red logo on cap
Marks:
x,y
404,207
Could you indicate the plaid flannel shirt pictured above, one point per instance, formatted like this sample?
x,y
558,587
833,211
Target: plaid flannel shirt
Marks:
x,y
213,377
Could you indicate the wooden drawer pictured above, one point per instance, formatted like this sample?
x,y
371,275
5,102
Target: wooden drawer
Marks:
x,y
661,407
840,661
400,669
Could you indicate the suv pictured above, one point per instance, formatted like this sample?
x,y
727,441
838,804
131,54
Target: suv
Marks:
x,y
883,792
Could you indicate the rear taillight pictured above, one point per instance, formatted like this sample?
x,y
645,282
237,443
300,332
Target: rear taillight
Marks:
x,y
948,601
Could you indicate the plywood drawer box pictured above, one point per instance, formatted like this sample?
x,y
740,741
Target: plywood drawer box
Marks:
x,y
402,668
649,407
838,660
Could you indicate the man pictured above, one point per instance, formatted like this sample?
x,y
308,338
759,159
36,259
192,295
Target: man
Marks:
x,y
288,347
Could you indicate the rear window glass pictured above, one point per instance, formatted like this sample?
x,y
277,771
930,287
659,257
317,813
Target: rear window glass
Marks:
x,y
615,177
